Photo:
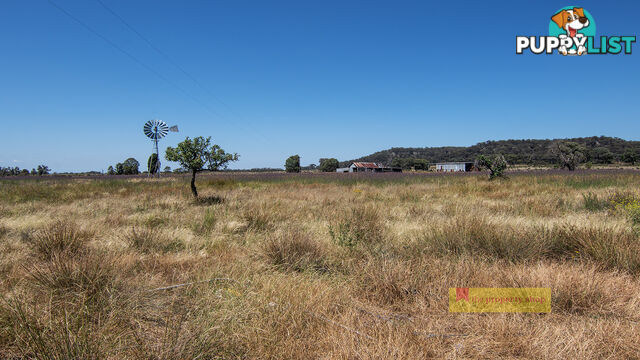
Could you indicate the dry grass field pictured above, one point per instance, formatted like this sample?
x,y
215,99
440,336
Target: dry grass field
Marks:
x,y
335,266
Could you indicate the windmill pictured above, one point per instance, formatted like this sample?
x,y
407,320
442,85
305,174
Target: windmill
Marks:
x,y
155,130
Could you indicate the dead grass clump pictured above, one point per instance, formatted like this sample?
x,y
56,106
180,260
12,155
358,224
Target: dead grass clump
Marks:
x,y
151,240
70,336
258,218
295,251
481,237
363,225
207,224
390,282
3,231
611,248
89,277
61,237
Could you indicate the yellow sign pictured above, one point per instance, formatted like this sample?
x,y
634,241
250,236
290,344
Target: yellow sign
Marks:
x,y
536,300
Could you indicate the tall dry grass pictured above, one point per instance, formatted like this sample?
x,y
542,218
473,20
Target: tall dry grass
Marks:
x,y
299,267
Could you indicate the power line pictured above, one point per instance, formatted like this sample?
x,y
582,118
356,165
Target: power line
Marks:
x,y
162,53
128,54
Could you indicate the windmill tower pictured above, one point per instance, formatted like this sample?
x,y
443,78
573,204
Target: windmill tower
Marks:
x,y
155,130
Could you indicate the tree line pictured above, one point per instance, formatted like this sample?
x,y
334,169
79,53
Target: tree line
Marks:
x,y
16,171
596,150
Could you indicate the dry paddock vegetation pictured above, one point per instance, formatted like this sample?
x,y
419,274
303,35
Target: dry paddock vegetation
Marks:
x,y
305,267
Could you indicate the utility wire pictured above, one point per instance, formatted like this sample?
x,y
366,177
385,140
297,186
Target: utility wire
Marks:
x,y
162,53
248,128
128,54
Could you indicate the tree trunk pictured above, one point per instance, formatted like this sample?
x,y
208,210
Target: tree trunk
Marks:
x,y
193,185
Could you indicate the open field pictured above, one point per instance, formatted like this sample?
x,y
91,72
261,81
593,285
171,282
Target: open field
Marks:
x,y
343,266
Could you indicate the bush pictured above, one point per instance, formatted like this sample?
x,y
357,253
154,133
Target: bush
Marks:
x,y
495,164
328,165
292,164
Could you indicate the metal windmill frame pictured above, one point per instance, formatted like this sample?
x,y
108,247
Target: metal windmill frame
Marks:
x,y
155,130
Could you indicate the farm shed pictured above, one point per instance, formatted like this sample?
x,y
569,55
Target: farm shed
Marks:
x,y
454,167
367,167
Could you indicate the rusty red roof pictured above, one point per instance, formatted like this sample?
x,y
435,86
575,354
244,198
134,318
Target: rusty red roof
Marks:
x,y
369,165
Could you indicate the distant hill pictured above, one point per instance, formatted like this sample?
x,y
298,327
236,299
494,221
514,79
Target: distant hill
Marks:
x,y
531,152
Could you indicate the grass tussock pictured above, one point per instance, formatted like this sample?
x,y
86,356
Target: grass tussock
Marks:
x,y
295,251
62,238
361,226
152,240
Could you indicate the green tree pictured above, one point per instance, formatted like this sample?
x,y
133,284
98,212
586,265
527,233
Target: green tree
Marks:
x,y
569,154
496,165
43,170
328,165
292,164
153,165
602,155
194,155
167,169
110,170
630,156
130,166
34,172
119,169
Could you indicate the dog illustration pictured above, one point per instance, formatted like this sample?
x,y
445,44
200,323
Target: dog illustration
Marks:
x,y
571,20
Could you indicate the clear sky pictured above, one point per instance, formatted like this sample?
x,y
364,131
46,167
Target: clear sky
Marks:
x,y
316,78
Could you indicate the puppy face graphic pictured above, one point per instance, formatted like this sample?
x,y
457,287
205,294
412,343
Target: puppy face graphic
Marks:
x,y
571,20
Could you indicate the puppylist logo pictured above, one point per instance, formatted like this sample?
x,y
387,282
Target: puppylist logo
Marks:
x,y
572,31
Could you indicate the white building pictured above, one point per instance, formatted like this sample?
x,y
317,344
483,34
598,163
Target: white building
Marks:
x,y
454,167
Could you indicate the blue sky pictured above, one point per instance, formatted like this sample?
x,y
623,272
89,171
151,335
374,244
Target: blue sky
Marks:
x,y
320,79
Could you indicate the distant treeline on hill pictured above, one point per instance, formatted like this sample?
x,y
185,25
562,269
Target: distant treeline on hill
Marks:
x,y
600,149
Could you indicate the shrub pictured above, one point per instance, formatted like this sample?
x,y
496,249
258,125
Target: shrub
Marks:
x,y
328,165
292,165
495,164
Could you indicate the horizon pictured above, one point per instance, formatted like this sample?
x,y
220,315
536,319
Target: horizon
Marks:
x,y
267,81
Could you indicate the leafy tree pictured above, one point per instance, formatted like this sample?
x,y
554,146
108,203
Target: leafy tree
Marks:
x,y
602,155
130,166
153,165
292,164
218,159
570,154
43,170
328,165
34,172
630,156
496,165
194,155
24,172
167,169
120,169
110,170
